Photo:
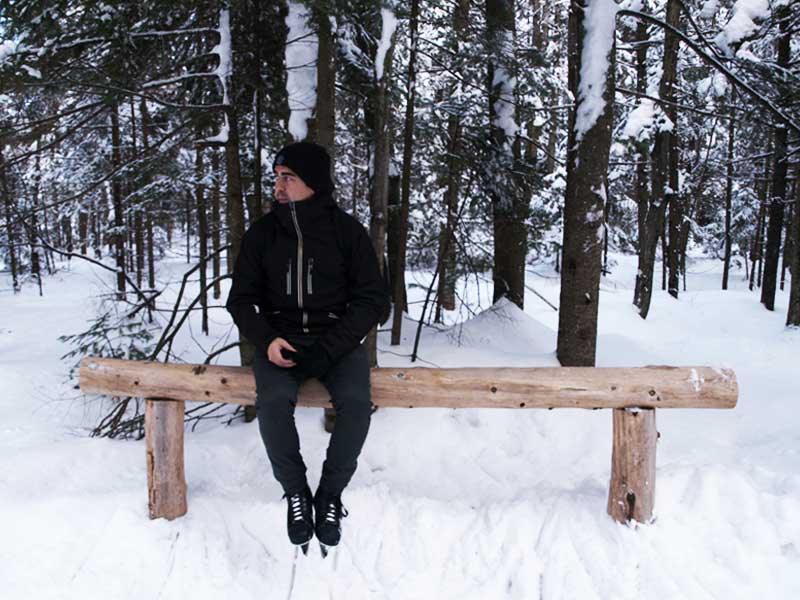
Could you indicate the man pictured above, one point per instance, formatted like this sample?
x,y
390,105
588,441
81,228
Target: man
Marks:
x,y
306,290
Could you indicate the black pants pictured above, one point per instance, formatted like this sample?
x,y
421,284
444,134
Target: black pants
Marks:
x,y
276,398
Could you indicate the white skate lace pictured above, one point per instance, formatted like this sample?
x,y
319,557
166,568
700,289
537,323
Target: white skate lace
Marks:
x,y
296,504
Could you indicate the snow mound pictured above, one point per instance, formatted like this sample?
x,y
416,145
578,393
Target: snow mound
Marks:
x,y
507,334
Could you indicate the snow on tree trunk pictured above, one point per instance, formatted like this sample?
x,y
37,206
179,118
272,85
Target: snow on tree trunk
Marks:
x,y
591,78
301,69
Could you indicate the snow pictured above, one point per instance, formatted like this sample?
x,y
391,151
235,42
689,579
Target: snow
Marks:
x,y
388,27
467,504
743,23
710,9
222,136
223,50
36,73
640,120
9,48
301,69
599,22
223,71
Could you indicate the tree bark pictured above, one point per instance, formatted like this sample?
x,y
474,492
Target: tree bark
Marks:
x,y
778,197
202,228
729,194
379,187
587,166
508,204
11,231
150,242
216,225
676,215
399,266
654,222
116,196
793,313
322,128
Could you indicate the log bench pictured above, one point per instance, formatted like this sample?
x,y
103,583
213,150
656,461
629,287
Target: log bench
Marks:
x,y
634,394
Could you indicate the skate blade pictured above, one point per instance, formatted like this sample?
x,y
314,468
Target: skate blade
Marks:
x,y
304,548
324,550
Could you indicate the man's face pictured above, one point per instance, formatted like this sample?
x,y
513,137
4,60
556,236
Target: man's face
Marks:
x,y
289,187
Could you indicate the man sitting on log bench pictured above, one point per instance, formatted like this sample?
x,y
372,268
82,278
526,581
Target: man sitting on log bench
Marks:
x,y
306,290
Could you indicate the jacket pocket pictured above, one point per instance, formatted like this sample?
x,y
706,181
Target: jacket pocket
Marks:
x,y
310,278
289,278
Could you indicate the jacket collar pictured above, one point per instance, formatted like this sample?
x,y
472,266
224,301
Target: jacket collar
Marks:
x,y
306,211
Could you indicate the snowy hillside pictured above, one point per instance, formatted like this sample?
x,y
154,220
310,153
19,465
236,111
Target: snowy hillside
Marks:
x,y
446,504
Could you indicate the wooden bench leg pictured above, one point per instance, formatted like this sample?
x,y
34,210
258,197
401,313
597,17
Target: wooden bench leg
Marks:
x,y
166,482
631,495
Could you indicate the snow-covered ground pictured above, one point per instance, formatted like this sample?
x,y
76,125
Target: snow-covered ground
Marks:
x,y
452,504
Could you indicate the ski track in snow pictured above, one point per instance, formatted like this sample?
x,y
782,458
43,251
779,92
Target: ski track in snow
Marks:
x,y
447,504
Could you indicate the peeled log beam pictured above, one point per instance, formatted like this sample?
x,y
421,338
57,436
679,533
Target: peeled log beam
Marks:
x,y
537,387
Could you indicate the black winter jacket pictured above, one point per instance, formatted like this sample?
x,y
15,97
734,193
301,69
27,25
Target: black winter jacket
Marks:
x,y
292,277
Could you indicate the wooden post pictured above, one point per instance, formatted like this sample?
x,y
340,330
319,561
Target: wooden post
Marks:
x,y
632,491
166,482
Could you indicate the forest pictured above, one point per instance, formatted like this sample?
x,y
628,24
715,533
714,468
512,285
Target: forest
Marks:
x,y
473,139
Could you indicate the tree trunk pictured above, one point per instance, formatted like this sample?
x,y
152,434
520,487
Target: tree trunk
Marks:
x,y
793,314
399,265
642,184
322,128
202,227
778,197
216,225
676,215
393,228
116,197
11,231
729,193
233,196
587,166
33,234
83,229
188,224
654,223
258,195
786,256
508,204
151,268
379,188
138,207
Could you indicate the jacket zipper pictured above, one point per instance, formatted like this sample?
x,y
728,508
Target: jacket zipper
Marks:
x,y
299,267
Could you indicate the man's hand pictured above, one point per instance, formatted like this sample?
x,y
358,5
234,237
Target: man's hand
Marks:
x,y
274,352
313,361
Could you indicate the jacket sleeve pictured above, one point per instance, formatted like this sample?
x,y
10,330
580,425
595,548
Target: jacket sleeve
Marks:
x,y
248,292
368,298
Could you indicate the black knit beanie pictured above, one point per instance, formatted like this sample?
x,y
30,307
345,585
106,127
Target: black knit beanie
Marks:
x,y
311,162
